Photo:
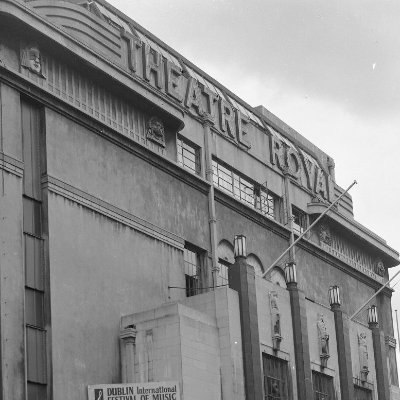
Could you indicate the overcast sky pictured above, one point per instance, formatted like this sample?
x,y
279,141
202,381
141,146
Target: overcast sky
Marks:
x,y
330,69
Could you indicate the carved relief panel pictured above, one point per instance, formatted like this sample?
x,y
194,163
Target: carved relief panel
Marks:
x,y
363,355
155,131
31,58
275,321
323,339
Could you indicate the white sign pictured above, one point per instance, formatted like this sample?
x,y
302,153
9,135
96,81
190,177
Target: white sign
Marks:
x,y
136,391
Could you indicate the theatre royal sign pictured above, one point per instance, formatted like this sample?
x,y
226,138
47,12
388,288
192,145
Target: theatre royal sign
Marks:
x,y
167,77
199,99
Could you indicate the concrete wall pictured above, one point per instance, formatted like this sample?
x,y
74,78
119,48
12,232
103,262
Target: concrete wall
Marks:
x,y
85,160
100,270
197,342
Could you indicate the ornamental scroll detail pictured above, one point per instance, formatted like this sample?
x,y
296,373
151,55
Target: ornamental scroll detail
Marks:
x,y
363,355
275,321
155,131
323,339
31,58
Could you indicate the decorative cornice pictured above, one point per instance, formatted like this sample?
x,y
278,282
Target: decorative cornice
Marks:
x,y
26,15
106,209
356,229
11,165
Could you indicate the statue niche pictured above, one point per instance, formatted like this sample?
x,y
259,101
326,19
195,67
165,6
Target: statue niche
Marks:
x,y
323,337
275,321
31,59
363,355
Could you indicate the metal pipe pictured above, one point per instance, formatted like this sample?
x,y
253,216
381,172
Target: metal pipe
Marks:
x,y
307,230
211,202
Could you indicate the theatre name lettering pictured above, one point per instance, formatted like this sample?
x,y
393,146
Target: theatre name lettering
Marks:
x,y
135,391
168,77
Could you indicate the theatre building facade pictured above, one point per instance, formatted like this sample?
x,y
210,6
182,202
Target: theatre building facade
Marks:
x,y
143,207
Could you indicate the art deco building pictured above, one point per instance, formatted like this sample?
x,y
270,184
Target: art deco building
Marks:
x,y
142,205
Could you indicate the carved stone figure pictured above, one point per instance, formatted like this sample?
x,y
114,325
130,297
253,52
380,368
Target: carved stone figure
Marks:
x,y
323,340
30,59
325,235
379,268
275,321
155,131
363,355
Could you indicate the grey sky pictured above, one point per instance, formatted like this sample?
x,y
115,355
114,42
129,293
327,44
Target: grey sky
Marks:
x,y
330,69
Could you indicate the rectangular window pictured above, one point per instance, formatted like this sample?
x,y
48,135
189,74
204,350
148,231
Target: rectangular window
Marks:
x,y
241,188
33,262
35,318
266,202
323,386
188,156
275,378
193,272
299,221
32,216
361,393
36,355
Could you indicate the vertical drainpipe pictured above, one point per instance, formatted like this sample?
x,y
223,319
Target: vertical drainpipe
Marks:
x,y
211,202
289,217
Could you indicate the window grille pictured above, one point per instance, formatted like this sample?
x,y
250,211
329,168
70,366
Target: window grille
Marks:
x,y
222,277
362,393
188,156
299,221
267,204
242,189
275,378
192,272
323,386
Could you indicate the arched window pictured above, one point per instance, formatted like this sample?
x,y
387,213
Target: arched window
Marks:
x,y
277,276
225,259
255,262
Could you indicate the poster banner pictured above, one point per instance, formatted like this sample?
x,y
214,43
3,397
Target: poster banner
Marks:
x,y
136,391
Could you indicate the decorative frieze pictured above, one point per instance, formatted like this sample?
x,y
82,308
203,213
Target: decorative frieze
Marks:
x,y
353,263
88,96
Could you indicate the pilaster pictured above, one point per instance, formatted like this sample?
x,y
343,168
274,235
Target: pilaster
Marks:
x,y
378,340
343,346
300,335
242,279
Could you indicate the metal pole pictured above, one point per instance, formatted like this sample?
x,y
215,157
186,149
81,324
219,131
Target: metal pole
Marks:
x,y
307,230
375,294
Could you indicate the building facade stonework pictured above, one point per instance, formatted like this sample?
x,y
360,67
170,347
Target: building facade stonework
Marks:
x,y
141,203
